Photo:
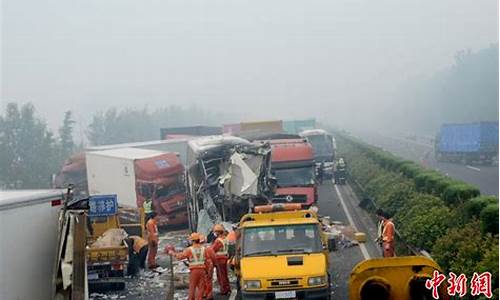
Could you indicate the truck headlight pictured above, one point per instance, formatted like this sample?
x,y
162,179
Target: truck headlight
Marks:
x,y
251,284
318,280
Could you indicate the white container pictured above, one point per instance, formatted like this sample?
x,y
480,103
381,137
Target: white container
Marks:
x,y
112,172
28,235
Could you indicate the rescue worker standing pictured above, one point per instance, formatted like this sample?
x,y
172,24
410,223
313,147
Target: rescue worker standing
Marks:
x,y
208,291
220,247
152,230
148,208
387,234
199,261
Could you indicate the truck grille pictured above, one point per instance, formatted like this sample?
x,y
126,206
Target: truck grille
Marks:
x,y
290,199
281,283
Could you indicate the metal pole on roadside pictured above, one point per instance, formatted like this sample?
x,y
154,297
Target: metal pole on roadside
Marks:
x,y
171,290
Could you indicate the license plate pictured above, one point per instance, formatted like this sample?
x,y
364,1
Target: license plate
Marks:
x,y
285,295
92,276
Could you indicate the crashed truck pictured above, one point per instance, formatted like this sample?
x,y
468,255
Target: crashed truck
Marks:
x,y
225,177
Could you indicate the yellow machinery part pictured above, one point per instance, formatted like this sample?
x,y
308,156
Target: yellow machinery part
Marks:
x,y
394,278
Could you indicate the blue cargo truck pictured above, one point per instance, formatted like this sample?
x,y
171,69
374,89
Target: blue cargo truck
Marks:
x,y
467,142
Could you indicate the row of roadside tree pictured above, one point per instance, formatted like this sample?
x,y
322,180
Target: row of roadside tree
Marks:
x,y
446,217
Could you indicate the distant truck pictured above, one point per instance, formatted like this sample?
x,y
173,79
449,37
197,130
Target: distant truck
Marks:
x,y
29,225
261,127
293,166
134,174
467,142
324,146
282,253
188,131
297,126
225,177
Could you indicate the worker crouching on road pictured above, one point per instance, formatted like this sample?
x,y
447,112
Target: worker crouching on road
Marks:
x,y
198,256
137,250
220,247
152,231
386,233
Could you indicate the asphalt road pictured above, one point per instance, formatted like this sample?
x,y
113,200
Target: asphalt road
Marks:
x,y
341,204
421,151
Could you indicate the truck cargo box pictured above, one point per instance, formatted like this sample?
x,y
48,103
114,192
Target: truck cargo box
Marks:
x,y
470,137
29,226
468,142
174,145
190,131
113,172
262,127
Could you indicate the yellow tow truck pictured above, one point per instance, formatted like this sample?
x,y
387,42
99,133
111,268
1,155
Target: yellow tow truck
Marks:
x,y
106,265
282,253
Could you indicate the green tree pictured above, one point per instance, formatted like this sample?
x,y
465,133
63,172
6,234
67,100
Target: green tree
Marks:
x,y
66,136
28,150
466,250
135,125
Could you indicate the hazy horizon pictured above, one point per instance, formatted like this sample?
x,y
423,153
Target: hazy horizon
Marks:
x,y
337,61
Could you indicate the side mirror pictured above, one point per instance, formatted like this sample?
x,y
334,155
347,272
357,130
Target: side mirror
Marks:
x,y
332,244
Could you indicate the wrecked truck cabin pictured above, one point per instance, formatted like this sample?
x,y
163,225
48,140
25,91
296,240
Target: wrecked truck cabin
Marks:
x,y
225,177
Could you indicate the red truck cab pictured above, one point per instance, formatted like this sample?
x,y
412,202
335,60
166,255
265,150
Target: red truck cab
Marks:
x,y
292,163
162,178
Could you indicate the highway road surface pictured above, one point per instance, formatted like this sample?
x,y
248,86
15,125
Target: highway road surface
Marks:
x,y
341,204
421,151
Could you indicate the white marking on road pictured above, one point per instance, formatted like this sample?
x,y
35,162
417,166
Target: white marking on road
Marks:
x,y
362,246
474,168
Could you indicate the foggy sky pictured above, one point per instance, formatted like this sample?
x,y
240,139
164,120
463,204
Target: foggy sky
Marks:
x,y
336,60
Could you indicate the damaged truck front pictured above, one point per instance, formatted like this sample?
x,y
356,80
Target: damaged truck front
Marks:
x,y
225,177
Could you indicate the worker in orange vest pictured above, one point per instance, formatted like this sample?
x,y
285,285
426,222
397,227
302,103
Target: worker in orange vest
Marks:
x,y
208,292
199,261
231,238
387,234
138,250
220,247
152,231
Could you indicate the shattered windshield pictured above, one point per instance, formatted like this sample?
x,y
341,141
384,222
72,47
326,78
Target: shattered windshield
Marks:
x,y
322,145
275,240
165,191
301,176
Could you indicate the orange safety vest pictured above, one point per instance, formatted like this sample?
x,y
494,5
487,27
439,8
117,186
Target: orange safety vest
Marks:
x,y
152,229
388,232
222,251
231,237
197,259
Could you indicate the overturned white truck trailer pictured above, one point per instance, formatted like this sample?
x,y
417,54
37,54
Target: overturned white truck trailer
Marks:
x,y
225,177
28,221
